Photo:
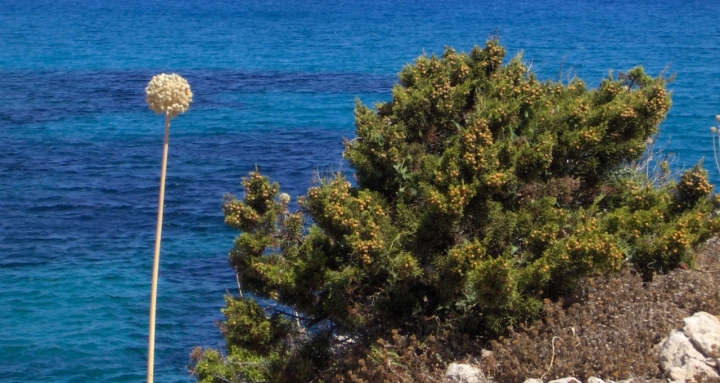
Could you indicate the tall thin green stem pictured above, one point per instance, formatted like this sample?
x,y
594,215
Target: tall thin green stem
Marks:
x,y
156,260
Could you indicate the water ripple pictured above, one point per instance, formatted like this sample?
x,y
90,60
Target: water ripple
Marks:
x,y
31,97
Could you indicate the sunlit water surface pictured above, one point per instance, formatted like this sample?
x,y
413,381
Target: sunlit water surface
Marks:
x,y
274,85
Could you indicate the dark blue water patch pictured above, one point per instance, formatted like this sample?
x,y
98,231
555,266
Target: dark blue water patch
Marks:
x,y
32,97
78,229
82,186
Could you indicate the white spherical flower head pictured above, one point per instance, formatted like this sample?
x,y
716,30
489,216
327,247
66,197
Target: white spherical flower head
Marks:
x,y
717,118
713,129
284,198
168,93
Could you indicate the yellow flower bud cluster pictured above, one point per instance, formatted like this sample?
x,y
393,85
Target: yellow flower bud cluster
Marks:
x,y
576,85
589,247
239,215
436,201
406,265
610,87
641,196
459,197
441,95
496,54
590,136
495,180
514,85
539,154
258,190
465,257
377,138
365,239
463,71
452,202
534,91
422,65
678,242
334,196
365,248
494,282
628,113
579,109
694,185
657,103
542,236
168,93
356,219
477,140
643,222
502,116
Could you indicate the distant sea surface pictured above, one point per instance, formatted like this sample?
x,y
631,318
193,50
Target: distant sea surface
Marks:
x,y
274,85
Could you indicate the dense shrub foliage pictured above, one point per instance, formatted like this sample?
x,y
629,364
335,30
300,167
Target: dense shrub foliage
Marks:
x,y
481,191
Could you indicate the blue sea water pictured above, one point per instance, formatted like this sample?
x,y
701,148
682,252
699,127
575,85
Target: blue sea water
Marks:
x,y
274,85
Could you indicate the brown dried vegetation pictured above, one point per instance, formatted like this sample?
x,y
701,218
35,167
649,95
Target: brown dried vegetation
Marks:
x,y
610,329
402,359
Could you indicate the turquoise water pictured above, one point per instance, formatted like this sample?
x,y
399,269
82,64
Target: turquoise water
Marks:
x,y
274,85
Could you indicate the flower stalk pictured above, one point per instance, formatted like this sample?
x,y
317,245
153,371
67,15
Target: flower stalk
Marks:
x,y
716,141
169,95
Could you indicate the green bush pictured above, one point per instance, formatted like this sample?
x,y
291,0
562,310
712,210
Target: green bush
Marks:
x,y
480,192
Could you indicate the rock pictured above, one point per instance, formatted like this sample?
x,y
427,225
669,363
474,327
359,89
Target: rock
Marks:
x,y
485,353
689,370
463,373
565,380
562,380
593,379
703,330
688,352
677,350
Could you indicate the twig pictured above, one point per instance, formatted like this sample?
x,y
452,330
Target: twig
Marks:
x,y
715,150
552,359
237,278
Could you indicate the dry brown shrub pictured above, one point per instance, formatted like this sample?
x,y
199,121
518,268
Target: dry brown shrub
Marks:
x,y
561,188
611,327
404,359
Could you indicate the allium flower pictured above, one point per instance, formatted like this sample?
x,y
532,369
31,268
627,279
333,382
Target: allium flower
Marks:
x,y
717,118
284,198
713,129
168,93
